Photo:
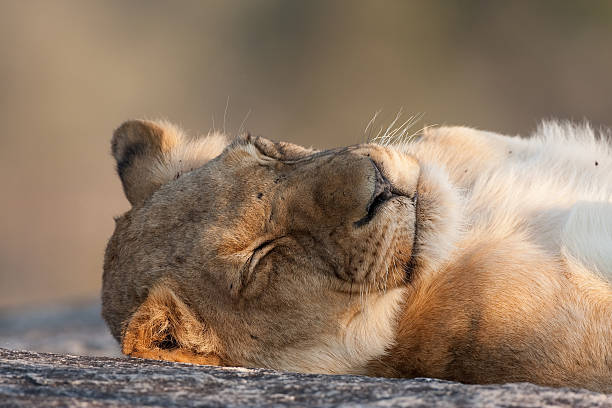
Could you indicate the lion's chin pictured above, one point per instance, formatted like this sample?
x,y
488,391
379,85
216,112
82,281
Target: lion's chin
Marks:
x,y
411,264
438,227
439,222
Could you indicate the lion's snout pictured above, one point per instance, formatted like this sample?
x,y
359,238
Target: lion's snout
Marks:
x,y
352,186
344,187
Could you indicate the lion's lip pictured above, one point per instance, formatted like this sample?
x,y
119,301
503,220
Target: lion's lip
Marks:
x,y
383,192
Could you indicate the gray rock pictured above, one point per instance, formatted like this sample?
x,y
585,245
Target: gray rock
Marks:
x,y
39,379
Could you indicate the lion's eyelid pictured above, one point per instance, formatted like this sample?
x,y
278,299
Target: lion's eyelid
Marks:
x,y
256,255
260,251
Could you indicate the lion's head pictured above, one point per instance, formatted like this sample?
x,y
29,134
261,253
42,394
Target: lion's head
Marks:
x,y
255,253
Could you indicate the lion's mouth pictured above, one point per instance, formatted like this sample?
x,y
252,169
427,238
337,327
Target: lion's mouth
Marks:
x,y
383,192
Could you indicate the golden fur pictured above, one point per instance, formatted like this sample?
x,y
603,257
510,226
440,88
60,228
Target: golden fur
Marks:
x,y
463,255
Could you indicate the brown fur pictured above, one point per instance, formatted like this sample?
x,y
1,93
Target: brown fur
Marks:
x,y
265,256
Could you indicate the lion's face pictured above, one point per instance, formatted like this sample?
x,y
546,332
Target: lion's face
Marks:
x,y
268,254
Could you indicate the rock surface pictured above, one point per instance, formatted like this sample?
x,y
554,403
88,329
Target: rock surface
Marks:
x,y
39,379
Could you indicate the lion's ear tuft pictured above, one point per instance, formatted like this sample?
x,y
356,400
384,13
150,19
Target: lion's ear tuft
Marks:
x,y
149,154
165,328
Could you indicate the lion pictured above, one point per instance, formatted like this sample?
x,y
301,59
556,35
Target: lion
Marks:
x,y
462,254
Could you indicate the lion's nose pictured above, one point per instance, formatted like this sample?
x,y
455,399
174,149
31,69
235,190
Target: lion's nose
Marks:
x,y
342,186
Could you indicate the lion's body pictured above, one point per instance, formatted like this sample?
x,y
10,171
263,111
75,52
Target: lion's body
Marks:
x,y
464,255
527,292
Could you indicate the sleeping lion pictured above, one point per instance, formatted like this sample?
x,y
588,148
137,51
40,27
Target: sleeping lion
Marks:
x,y
462,255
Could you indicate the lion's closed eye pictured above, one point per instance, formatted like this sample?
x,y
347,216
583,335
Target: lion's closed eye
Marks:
x,y
249,272
261,251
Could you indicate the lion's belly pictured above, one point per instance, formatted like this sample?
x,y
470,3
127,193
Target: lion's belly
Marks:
x,y
559,193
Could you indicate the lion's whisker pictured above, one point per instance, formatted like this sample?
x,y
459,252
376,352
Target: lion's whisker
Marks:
x,y
241,128
225,113
369,127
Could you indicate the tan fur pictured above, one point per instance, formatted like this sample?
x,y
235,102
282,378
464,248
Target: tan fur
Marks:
x,y
490,263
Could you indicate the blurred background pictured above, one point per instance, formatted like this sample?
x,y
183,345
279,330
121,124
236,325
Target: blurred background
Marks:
x,y
311,72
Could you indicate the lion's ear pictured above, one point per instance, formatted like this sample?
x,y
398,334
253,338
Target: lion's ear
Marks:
x,y
149,154
164,328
